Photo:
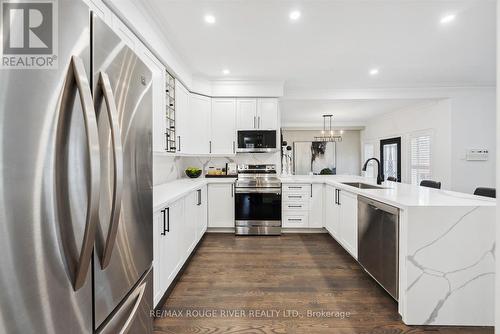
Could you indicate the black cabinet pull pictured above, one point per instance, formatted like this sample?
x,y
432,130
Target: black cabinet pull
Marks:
x,y
164,213
199,197
168,219
311,190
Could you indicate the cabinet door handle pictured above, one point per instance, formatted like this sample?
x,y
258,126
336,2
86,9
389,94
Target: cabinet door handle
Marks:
x,y
258,122
294,219
254,122
311,190
232,190
292,187
338,197
234,147
164,213
295,206
199,197
179,139
290,196
168,219
210,146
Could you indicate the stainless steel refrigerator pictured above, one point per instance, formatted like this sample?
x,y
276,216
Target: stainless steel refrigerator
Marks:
x,y
76,187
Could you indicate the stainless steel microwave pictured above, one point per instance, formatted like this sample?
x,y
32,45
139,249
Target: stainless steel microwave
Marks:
x,y
255,141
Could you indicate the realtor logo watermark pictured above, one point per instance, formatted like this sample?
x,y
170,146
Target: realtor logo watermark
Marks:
x,y
29,34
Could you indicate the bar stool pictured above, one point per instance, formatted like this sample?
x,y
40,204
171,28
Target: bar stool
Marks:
x,y
431,184
486,192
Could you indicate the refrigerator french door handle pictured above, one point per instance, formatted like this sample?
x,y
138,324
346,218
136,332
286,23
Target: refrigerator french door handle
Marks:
x,y
76,78
105,91
135,298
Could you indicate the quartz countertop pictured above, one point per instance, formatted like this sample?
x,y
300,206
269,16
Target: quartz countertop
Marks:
x,y
169,192
397,194
400,195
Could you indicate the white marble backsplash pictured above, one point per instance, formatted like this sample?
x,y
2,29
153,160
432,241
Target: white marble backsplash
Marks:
x,y
220,162
168,168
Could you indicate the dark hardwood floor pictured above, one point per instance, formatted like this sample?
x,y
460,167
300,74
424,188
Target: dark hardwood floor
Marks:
x,y
261,277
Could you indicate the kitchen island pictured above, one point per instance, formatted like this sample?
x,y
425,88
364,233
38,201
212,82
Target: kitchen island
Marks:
x,y
446,249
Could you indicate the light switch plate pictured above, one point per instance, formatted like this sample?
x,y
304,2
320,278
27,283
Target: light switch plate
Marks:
x,y
477,155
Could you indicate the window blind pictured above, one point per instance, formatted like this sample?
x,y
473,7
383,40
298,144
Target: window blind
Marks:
x,y
420,158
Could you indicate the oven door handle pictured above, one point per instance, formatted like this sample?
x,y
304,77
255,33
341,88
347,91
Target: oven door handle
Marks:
x,y
276,191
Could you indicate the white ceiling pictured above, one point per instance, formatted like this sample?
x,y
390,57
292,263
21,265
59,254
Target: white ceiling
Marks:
x,y
335,43
346,113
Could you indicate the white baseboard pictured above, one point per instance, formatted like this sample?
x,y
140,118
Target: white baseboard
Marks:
x,y
220,230
303,230
283,230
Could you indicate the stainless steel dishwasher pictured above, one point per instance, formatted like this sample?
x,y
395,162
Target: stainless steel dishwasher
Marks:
x,y
378,242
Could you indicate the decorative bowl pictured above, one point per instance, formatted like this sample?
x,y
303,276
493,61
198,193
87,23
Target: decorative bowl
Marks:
x,y
193,172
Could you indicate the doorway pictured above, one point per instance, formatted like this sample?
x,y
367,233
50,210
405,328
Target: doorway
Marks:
x,y
390,158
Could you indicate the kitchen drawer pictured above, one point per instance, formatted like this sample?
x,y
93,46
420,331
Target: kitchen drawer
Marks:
x,y
295,219
295,206
295,197
296,188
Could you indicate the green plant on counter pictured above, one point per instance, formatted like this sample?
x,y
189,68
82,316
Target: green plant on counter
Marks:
x,y
193,172
326,171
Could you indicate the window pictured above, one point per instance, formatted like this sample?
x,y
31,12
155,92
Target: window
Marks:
x,y
420,158
368,150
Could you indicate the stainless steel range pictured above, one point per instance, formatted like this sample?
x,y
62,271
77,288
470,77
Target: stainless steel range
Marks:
x,y
257,200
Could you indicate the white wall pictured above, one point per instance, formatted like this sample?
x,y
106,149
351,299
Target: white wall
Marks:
x,y
465,120
348,151
473,123
434,116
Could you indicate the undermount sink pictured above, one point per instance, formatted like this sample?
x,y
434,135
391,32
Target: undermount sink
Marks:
x,y
362,185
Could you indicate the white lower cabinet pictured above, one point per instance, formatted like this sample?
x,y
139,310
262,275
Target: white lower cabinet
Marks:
x,y
316,213
332,211
302,205
168,247
177,230
201,227
221,205
341,217
348,227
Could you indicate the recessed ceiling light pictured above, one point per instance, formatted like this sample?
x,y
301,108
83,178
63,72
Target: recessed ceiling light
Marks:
x,y
294,15
225,71
374,71
210,19
448,18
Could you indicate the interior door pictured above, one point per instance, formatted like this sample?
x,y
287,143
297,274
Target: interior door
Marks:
x,y
48,157
123,97
390,158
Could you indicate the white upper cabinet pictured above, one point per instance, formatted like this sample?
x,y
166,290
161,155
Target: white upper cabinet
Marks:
x,y
246,114
223,126
257,114
267,114
197,138
182,117
158,78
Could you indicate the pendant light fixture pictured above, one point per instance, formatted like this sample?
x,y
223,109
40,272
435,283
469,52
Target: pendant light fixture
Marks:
x,y
327,135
